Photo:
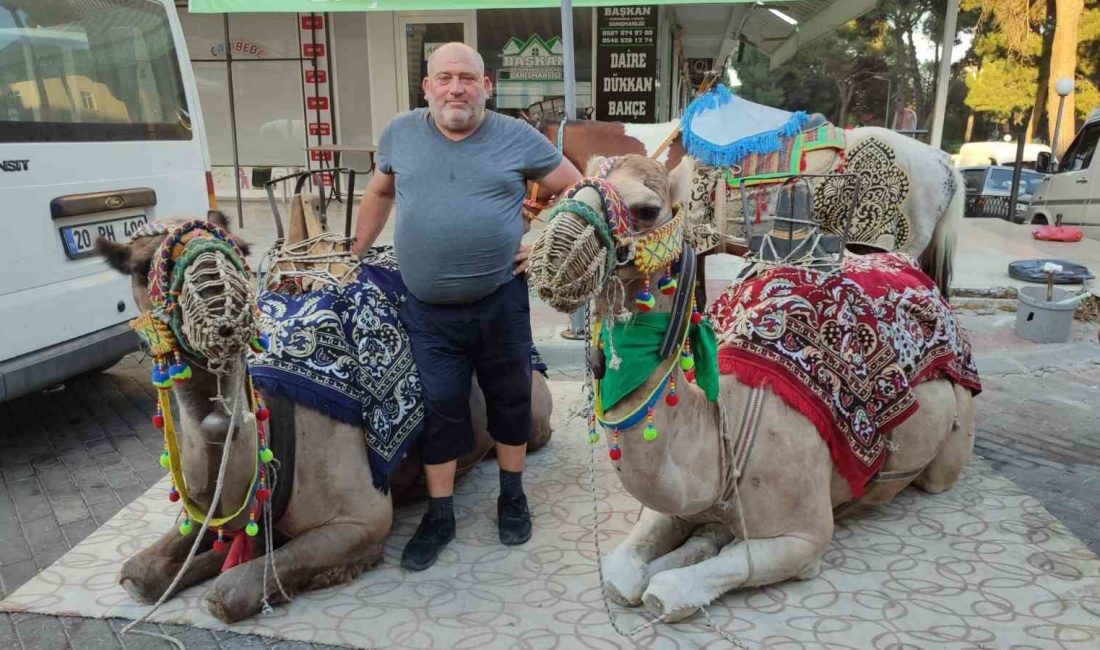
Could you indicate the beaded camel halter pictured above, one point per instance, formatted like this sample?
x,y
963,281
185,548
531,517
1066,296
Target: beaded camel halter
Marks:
x,y
194,258
590,250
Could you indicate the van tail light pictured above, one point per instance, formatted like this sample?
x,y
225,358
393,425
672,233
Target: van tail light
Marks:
x,y
210,190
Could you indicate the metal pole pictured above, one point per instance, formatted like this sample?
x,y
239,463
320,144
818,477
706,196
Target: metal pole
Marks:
x,y
944,75
889,87
233,122
567,59
1015,193
1057,128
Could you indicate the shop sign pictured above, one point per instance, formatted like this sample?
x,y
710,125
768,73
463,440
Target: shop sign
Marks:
x,y
240,48
532,60
626,64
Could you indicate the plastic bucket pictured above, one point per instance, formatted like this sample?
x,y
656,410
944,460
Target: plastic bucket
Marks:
x,y
1041,321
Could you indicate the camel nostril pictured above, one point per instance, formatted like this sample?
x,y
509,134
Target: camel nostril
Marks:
x,y
225,331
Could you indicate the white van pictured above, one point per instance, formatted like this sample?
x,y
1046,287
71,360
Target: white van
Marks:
x,y
100,131
995,152
1072,191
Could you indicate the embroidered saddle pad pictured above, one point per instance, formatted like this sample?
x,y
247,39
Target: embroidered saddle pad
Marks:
x,y
844,349
343,350
719,128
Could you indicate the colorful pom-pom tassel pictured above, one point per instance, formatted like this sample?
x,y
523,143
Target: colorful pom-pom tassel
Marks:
x,y
672,399
696,317
266,455
593,437
161,378
667,285
259,343
164,460
179,372
252,529
650,431
158,420
219,544
173,495
615,453
263,494
186,527
687,362
645,301
690,375
263,413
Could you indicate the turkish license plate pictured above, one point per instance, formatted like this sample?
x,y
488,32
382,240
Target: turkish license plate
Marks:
x,y
79,240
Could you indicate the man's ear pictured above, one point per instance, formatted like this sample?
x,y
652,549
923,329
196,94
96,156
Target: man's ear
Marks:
x,y
594,164
117,255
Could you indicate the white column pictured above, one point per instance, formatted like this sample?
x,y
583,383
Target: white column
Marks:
x,y
944,76
382,54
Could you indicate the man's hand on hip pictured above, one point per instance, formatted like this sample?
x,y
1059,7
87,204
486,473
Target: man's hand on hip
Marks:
x,y
522,259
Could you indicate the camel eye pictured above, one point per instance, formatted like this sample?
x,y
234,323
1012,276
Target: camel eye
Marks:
x,y
646,213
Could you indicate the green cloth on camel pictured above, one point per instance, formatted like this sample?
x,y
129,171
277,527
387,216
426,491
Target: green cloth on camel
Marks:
x,y
637,343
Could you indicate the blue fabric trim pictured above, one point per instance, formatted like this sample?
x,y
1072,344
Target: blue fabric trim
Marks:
x,y
636,418
715,155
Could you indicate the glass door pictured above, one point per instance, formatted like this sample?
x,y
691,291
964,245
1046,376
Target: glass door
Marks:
x,y
418,35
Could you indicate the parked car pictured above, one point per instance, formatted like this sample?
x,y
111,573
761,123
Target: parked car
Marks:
x,y
1072,191
989,189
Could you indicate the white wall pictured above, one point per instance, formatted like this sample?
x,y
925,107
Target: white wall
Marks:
x,y
352,85
381,52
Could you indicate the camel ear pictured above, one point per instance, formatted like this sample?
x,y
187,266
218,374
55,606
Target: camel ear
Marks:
x,y
679,181
117,255
594,163
218,218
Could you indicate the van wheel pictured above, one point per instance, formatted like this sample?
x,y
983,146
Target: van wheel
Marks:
x,y
1040,220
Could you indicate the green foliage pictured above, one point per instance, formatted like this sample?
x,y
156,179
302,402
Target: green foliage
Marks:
x,y
1002,87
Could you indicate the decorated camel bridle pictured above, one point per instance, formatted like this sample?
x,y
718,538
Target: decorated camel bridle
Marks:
x,y
172,341
662,248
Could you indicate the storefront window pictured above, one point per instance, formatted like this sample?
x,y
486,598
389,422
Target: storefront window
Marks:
x,y
523,56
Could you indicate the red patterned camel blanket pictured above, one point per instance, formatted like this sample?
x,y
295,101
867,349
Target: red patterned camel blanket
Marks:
x,y
844,349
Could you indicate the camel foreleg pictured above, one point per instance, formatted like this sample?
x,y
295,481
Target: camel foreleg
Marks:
x,y
327,555
148,573
654,535
678,593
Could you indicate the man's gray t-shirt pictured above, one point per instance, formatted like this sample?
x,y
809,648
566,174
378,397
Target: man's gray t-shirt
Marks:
x,y
459,204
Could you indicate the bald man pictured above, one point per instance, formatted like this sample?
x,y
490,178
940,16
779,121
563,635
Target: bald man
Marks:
x,y
459,173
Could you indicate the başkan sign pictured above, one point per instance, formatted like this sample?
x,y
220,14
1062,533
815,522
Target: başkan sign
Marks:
x,y
626,64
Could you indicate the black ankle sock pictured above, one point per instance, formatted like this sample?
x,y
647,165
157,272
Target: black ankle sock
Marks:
x,y
511,484
441,507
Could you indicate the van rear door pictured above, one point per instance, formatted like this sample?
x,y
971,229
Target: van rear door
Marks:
x,y
98,121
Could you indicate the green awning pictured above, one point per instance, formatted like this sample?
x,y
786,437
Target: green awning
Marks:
x,y
322,6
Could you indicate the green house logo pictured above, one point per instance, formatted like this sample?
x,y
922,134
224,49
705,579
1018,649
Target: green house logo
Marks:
x,y
532,59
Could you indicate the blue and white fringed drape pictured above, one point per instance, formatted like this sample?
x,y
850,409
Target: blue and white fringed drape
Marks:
x,y
720,128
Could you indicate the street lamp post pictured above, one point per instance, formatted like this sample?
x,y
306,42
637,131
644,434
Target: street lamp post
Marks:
x,y
1063,87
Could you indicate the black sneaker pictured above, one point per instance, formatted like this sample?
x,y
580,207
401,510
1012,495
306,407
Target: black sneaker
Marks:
x,y
513,520
431,537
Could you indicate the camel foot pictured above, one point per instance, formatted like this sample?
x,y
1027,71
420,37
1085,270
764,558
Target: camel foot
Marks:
x,y
624,577
668,596
138,590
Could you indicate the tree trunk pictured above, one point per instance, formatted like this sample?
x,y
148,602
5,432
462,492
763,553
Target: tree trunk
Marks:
x,y
845,90
901,71
1063,63
1038,108
969,126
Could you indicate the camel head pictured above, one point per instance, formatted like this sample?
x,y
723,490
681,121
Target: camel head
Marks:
x,y
194,289
618,232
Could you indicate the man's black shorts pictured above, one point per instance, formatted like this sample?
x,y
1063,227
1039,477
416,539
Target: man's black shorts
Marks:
x,y
450,342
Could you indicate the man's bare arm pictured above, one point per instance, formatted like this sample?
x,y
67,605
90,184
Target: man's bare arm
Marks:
x,y
374,209
563,176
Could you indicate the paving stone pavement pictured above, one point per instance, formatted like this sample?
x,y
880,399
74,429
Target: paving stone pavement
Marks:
x,y
72,456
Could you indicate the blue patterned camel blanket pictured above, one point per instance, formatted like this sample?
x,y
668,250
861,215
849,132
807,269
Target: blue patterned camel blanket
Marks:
x,y
343,351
